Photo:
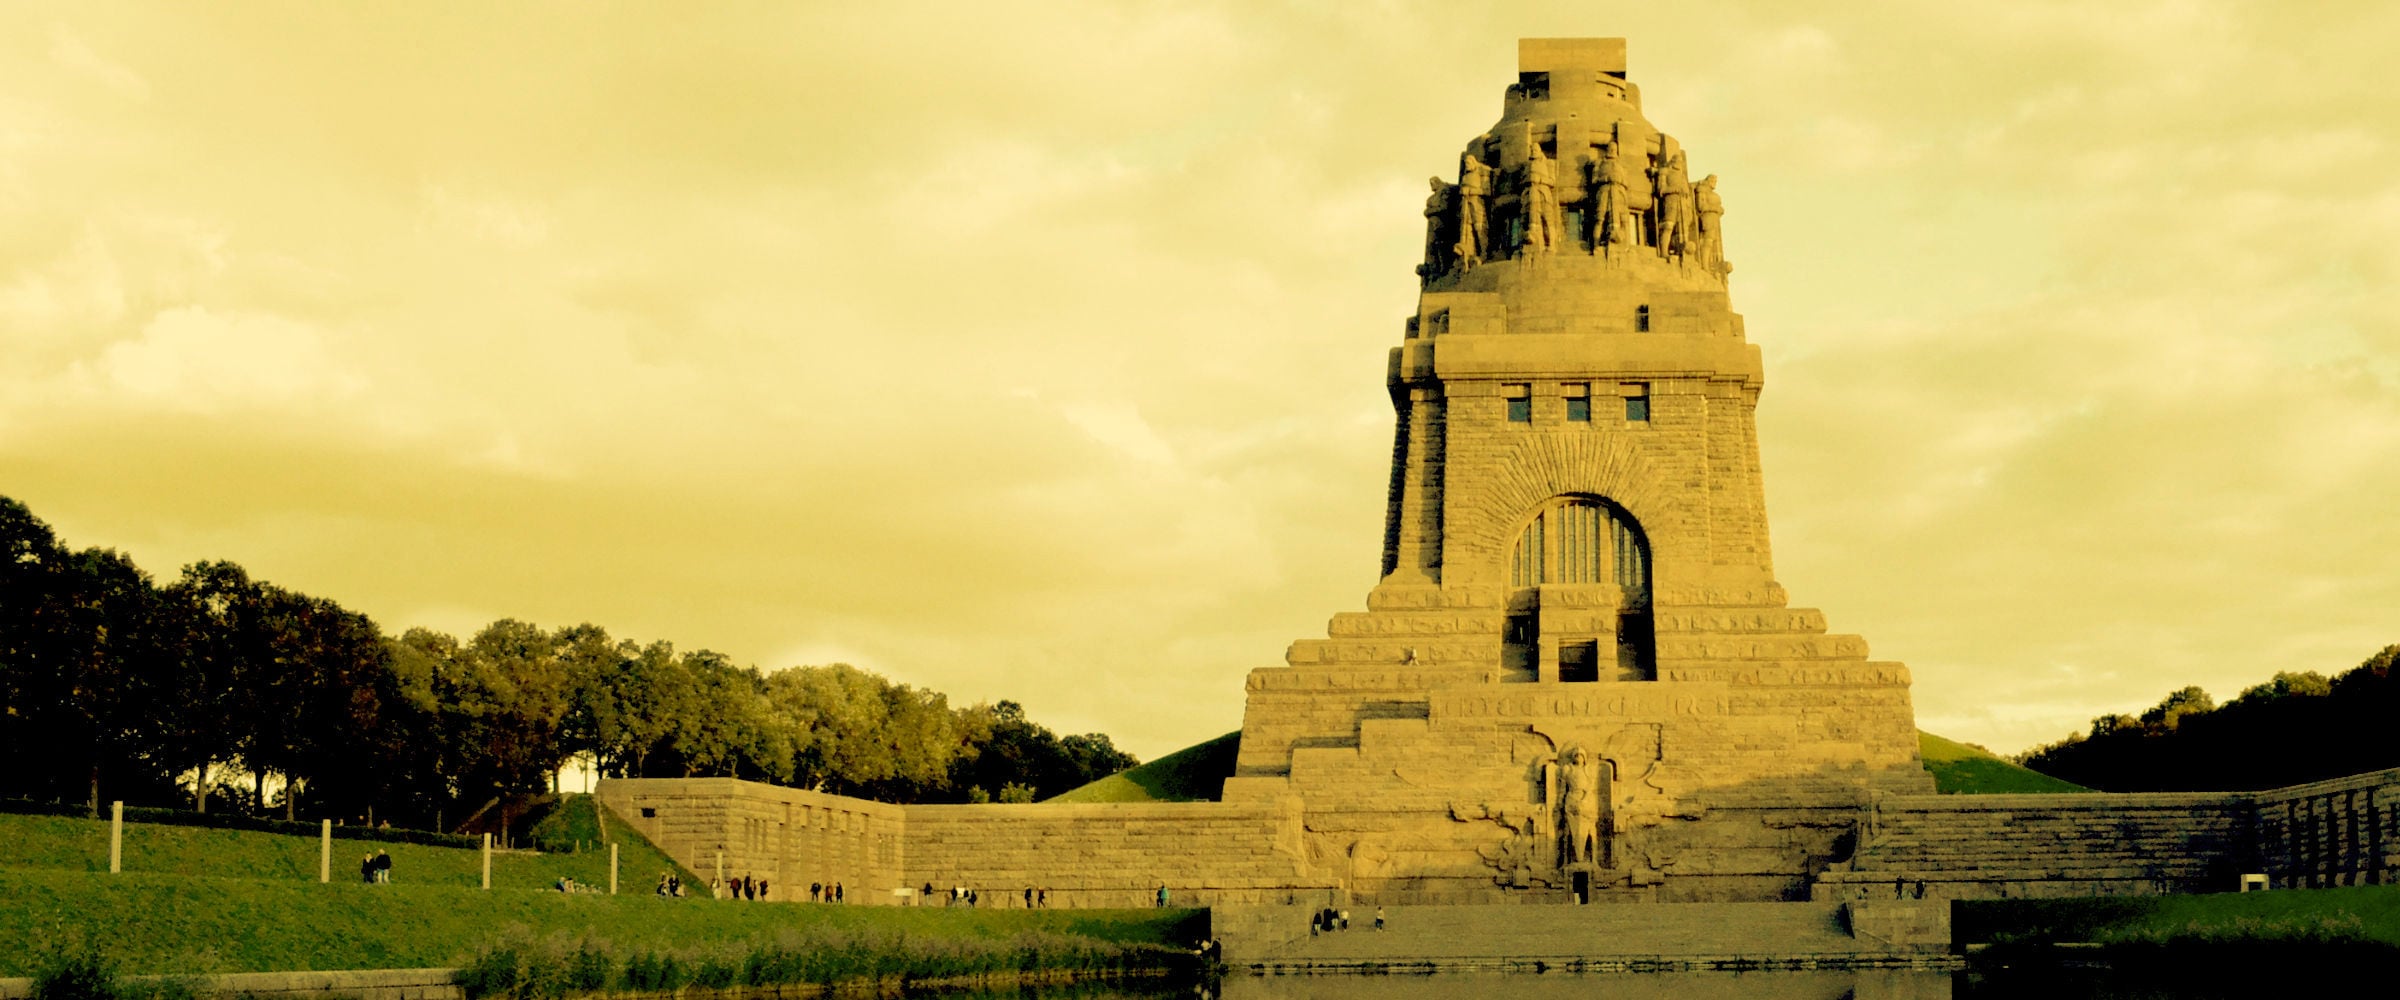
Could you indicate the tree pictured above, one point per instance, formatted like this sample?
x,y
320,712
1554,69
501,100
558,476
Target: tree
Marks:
x,y
2169,713
214,610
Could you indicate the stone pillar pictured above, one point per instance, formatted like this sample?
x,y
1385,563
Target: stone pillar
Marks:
x,y
116,837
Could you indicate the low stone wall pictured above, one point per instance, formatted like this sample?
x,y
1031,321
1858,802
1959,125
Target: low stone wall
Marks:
x,y
360,984
1205,853
725,828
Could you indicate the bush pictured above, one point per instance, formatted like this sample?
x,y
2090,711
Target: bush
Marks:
x,y
75,973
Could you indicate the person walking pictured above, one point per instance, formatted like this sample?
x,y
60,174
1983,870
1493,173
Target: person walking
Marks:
x,y
1379,918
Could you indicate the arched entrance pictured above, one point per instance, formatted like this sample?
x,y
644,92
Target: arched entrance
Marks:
x,y
1579,595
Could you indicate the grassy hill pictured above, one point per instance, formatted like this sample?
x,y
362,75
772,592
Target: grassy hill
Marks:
x,y
81,845
1959,769
1195,773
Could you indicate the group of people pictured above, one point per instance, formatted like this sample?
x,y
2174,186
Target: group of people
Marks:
x,y
960,895
376,868
826,892
1329,919
744,887
670,884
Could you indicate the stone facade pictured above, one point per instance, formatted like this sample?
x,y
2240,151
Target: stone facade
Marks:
x,y
1576,561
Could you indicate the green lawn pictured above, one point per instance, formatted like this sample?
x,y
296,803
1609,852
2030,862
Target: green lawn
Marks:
x,y
2366,913
152,923
1959,769
1195,773
81,845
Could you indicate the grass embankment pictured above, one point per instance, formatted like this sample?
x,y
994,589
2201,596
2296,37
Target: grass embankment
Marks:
x,y
1195,773
1959,769
81,845
2201,937
197,900
153,923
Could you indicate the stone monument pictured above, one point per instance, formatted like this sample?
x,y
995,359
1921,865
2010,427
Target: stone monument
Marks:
x,y
1578,676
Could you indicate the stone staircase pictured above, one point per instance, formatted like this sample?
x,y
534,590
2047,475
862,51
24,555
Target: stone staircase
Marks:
x,y
1658,935
1983,846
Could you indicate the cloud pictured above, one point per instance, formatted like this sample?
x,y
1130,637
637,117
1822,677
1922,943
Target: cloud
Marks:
x,y
195,360
68,50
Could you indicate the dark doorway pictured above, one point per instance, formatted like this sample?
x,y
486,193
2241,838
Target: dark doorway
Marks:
x,y
1583,888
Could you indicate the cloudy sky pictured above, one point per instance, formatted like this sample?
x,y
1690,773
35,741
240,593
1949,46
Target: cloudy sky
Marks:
x,y
1034,351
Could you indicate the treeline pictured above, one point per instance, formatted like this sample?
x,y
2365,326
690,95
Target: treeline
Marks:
x,y
2298,727
218,690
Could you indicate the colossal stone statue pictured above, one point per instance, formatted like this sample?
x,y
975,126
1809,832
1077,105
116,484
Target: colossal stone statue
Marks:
x,y
1541,203
1711,211
1474,210
1674,207
1441,228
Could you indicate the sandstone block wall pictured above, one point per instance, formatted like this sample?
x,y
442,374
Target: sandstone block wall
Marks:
x,y
1205,853
724,828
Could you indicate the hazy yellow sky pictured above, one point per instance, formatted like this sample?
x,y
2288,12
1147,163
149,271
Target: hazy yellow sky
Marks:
x,y
1035,351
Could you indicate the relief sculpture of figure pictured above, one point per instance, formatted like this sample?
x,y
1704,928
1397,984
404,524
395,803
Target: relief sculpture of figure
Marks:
x,y
1541,202
1441,237
1474,209
1674,208
1711,209
1579,774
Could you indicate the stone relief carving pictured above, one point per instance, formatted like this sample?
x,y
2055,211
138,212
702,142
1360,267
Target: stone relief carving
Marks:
x,y
1583,781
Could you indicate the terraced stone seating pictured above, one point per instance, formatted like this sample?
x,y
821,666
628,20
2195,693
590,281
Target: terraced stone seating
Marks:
x,y
1967,847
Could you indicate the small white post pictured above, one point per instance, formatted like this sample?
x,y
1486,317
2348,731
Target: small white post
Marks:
x,y
325,851
116,837
612,869
487,861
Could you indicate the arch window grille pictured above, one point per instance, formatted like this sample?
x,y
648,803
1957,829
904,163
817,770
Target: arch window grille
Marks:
x,y
1583,540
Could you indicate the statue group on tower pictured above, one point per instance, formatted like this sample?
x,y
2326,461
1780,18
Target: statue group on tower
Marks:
x,y
1630,191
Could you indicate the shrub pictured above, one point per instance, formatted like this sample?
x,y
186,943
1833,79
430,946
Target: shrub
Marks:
x,y
75,972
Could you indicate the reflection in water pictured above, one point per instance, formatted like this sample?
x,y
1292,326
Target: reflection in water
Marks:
x,y
1862,984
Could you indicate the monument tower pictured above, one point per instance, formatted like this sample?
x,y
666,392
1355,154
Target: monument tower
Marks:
x,y
1577,674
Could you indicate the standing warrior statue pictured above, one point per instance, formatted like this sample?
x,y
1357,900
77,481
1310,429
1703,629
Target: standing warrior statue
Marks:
x,y
1674,208
1541,202
1474,209
1711,210
1629,188
1441,236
